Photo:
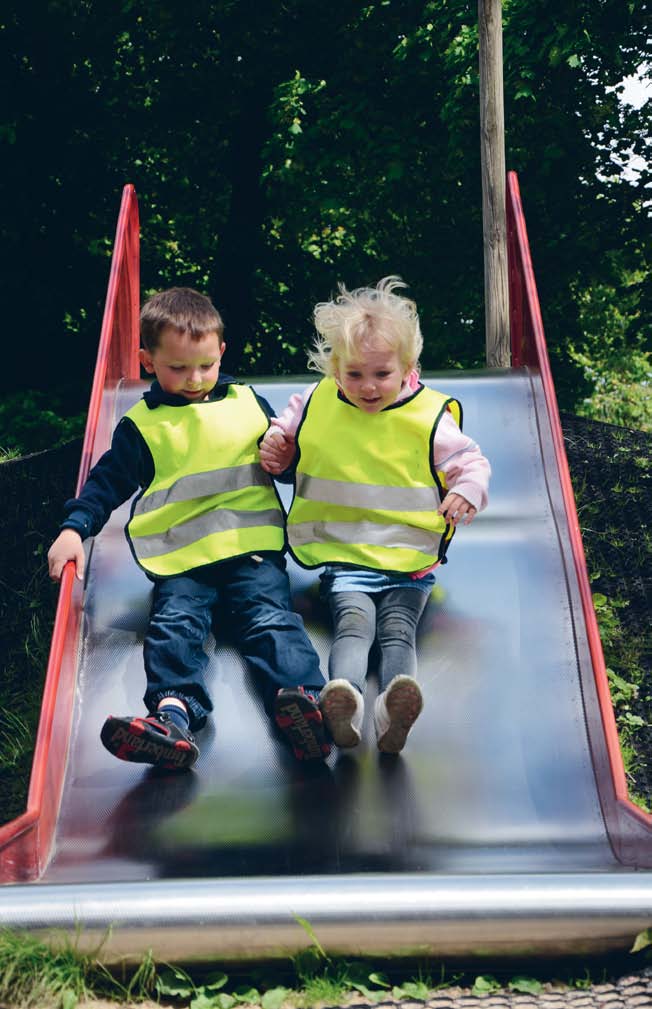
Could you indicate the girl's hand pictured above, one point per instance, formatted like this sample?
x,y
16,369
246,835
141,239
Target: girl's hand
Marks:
x,y
456,508
67,547
276,452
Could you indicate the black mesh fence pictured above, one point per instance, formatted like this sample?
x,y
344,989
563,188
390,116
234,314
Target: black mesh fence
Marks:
x,y
32,492
611,470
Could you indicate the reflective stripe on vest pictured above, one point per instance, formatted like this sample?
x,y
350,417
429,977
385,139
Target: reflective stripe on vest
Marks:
x,y
365,492
193,513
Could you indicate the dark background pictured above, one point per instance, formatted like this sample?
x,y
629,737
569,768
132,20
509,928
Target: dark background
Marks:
x,y
279,148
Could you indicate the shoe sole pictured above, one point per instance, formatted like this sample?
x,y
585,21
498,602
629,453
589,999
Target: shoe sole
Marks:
x,y
338,708
404,705
302,724
133,740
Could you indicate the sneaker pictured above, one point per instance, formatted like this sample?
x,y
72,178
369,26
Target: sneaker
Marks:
x,y
343,710
395,712
152,740
299,719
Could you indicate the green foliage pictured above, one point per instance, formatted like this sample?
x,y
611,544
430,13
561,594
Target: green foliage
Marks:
x,y
15,738
268,168
622,390
32,421
324,980
207,994
583,983
328,987
58,974
611,469
618,367
321,980
315,946
525,985
484,984
642,941
35,974
624,651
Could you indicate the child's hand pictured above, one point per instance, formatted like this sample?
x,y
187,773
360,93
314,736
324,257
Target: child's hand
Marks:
x,y
456,508
66,547
276,451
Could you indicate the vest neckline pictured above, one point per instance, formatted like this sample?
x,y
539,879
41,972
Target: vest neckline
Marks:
x,y
392,406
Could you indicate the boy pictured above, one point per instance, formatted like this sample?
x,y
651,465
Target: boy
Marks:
x,y
208,529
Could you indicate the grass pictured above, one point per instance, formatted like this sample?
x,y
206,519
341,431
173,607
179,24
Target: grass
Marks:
x,y
32,975
15,738
56,975
38,974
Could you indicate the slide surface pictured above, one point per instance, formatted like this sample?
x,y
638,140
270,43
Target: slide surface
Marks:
x,y
497,773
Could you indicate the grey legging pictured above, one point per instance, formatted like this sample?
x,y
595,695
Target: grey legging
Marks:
x,y
391,617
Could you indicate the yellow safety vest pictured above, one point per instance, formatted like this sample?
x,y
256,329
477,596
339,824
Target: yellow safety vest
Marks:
x,y
366,494
210,499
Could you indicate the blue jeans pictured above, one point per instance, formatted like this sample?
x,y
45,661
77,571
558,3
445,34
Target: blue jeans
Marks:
x,y
252,600
360,618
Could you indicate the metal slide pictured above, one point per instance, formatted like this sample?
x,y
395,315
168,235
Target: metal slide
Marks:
x,y
502,826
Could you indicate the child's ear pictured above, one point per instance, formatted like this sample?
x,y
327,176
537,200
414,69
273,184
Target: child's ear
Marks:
x,y
146,360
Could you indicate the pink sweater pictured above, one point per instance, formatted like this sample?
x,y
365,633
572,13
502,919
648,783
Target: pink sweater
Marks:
x,y
457,456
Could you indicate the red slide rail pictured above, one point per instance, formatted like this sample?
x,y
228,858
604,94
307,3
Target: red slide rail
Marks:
x,y
529,348
26,841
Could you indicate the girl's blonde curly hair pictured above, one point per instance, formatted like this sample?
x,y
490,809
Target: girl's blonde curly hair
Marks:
x,y
363,317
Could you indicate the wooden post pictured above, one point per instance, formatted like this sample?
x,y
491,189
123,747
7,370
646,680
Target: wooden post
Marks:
x,y
492,149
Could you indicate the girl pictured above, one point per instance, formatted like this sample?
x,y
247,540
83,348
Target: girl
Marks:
x,y
383,477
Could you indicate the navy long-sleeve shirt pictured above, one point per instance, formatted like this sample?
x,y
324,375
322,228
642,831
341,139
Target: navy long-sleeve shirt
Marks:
x,y
127,465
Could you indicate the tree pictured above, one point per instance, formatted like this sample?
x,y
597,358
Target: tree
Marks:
x,y
279,149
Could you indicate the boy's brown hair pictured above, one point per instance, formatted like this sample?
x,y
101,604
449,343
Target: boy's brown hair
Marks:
x,y
185,309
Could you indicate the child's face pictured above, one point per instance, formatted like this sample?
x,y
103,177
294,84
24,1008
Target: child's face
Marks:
x,y
372,378
184,366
